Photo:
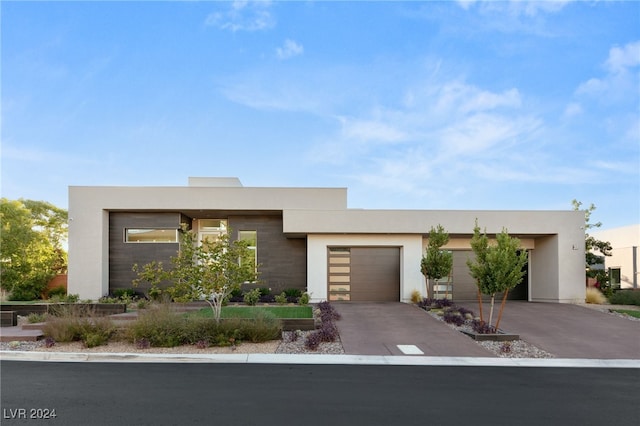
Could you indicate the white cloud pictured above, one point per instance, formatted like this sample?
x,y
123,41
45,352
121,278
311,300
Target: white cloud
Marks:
x,y
620,81
482,133
622,58
289,50
529,8
243,16
572,110
370,130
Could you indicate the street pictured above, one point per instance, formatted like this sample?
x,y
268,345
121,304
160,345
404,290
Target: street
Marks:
x,y
277,394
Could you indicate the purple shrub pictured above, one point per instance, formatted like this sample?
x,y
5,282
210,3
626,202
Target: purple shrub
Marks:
x,y
49,342
505,348
202,344
425,304
313,340
442,303
327,312
267,298
453,317
328,332
143,343
465,311
482,327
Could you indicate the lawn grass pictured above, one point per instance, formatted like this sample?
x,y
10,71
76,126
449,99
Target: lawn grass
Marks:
x,y
635,314
249,311
22,302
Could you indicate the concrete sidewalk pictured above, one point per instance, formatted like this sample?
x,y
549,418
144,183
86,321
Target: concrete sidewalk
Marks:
x,y
378,329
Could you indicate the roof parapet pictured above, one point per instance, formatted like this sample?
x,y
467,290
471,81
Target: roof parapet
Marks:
x,y
215,182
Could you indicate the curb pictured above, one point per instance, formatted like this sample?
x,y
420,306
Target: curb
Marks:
x,y
316,359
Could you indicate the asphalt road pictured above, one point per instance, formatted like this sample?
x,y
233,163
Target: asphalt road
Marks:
x,y
269,394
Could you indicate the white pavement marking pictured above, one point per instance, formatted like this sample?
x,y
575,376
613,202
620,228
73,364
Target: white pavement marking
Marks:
x,y
410,350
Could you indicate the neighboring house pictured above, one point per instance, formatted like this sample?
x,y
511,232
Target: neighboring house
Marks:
x,y
307,238
623,262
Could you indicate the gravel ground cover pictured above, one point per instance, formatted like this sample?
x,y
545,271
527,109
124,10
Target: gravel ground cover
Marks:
x,y
511,349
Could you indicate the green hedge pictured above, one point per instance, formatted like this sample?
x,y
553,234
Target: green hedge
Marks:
x,y
625,297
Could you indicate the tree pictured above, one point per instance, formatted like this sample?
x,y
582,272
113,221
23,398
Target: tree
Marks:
x,y
436,263
31,250
497,268
209,271
594,262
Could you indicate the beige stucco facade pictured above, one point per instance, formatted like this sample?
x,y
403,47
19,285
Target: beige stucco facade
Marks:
x,y
624,256
554,239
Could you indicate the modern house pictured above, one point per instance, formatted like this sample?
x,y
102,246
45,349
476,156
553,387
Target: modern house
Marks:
x,y
307,238
622,265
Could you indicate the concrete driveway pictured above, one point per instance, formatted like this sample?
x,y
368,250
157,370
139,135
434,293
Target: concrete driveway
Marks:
x,y
566,331
377,328
570,331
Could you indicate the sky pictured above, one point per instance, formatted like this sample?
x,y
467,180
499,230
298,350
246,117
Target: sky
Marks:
x,y
410,105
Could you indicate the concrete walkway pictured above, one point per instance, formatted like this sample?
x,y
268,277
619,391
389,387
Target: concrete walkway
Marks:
x,y
377,329
569,331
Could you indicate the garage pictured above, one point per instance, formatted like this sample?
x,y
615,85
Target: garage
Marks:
x,y
364,274
464,286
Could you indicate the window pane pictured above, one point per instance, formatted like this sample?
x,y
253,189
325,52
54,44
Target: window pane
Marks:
x,y
212,224
251,237
151,235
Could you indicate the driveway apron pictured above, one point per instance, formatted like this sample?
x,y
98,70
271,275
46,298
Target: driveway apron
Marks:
x,y
378,328
570,331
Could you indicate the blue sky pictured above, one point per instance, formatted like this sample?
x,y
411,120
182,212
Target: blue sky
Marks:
x,y
416,105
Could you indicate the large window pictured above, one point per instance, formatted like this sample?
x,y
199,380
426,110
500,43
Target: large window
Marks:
x,y
251,237
151,235
210,230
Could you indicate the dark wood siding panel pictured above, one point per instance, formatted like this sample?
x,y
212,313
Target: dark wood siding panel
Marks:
x,y
282,260
122,256
375,274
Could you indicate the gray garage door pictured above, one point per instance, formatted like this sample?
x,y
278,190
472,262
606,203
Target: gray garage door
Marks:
x,y
359,274
464,286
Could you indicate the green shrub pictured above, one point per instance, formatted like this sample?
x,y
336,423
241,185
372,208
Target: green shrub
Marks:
x,y
262,327
119,293
264,291
625,297
27,291
70,310
65,298
160,326
281,298
93,339
70,327
252,297
142,304
304,299
293,292
62,329
57,291
34,318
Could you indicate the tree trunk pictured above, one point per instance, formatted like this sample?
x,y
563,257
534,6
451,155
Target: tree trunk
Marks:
x,y
504,300
480,305
427,281
493,297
